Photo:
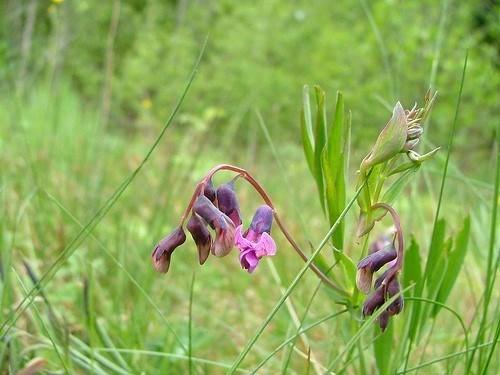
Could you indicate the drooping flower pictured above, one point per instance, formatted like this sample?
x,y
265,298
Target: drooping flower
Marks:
x,y
386,287
228,203
374,301
223,225
201,236
372,263
256,241
383,320
393,288
209,191
164,249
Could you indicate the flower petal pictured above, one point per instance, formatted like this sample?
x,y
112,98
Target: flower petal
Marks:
x,y
266,246
241,242
249,260
224,236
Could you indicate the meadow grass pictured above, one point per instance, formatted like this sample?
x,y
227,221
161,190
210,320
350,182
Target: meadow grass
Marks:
x,y
83,207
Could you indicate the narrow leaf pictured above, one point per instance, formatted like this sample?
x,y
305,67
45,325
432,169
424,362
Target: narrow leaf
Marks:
x,y
383,347
335,136
397,186
435,248
320,140
306,129
413,274
333,209
349,270
456,259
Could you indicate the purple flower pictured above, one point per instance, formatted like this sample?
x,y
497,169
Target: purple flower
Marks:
x,y
223,225
372,263
256,242
374,301
393,288
209,191
164,249
201,236
228,203
383,320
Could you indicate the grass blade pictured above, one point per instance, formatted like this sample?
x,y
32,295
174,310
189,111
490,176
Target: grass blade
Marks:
x,y
98,216
292,286
455,260
306,129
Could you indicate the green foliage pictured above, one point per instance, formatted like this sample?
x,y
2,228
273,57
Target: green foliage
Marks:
x,y
326,149
125,59
87,86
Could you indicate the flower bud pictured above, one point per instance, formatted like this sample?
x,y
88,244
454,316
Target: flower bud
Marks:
x,y
374,301
206,210
390,271
228,203
201,236
390,141
414,132
164,249
383,320
262,220
223,225
209,191
393,288
410,145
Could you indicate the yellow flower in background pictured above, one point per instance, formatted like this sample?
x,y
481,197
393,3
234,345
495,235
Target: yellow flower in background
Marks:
x,y
57,1
146,103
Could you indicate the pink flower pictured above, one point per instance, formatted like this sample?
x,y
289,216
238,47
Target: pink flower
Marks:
x,y
256,242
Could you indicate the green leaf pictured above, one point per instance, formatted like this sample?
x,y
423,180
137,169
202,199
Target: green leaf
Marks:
x,y
383,347
397,186
336,135
435,249
402,167
320,140
412,269
332,203
435,280
306,129
349,270
335,157
413,274
455,261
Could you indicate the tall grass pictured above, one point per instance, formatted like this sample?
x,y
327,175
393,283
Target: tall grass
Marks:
x,y
83,206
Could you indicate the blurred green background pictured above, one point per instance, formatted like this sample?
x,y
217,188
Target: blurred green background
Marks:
x,y
128,61
86,87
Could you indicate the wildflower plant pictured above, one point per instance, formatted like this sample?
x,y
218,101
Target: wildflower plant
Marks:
x,y
213,217
373,281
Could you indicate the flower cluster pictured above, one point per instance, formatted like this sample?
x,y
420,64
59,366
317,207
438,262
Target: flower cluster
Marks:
x,y
399,137
215,225
386,286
